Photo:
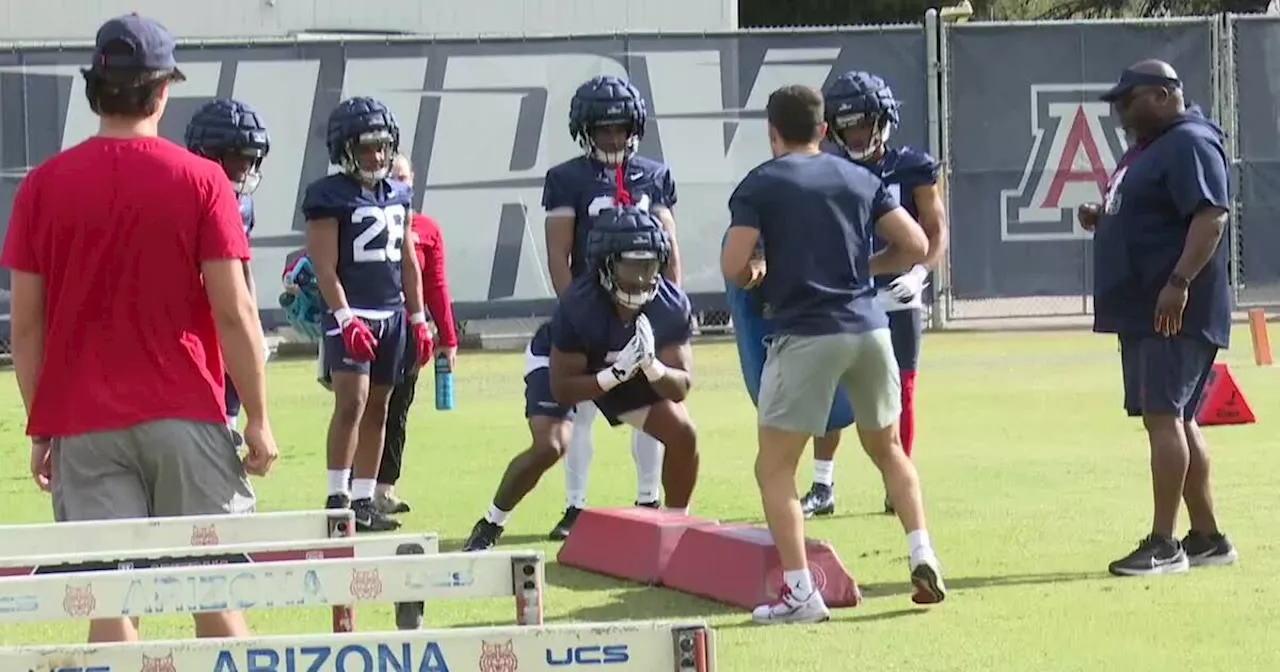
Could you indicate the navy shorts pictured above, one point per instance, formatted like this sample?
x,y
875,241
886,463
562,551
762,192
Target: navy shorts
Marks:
x,y
387,367
906,330
1165,376
633,395
538,401
232,399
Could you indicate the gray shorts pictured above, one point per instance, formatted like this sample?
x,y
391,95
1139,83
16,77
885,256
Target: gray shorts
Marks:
x,y
801,374
162,468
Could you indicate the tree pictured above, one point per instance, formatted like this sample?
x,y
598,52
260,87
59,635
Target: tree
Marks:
x,y
771,13
1130,8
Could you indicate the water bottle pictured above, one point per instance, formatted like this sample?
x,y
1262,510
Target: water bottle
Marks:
x,y
444,383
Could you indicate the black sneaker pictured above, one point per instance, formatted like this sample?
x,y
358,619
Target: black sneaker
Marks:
x,y
1154,555
484,536
888,507
1209,550
819,501
561,531
649,505
339,501
370,519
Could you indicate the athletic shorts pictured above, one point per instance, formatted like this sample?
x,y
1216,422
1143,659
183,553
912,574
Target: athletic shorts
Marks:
x,y
802,373
387,367
1165,376
161,468
621,405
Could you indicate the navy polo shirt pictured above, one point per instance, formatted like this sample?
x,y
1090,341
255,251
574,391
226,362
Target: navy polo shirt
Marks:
x,y
1150,202
816,215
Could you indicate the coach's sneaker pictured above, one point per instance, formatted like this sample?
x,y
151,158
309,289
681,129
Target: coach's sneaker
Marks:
x,y
819,501
1155,555
339,501
790,609
562,529
926,579
484,536
388,503
1209,550
370,519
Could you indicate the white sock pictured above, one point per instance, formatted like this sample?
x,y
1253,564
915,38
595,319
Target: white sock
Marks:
x,y
497,516
577,460
919,547
800,581
647,453
824,471
362,488
683,512
338,479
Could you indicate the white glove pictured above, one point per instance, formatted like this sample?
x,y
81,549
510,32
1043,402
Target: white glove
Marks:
x,y
630,359
653,369
909,285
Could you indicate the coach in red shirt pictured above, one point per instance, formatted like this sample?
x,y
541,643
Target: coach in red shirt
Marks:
x,y
429,246
127,254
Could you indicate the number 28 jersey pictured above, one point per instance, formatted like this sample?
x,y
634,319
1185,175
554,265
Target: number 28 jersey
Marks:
x,y
371,232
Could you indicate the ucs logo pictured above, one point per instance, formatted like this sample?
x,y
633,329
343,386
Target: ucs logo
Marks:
x,y
1077,142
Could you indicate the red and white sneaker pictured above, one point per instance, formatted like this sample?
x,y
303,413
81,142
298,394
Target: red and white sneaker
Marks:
x,y
790,609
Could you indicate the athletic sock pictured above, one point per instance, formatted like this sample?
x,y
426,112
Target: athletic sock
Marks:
x,y
338,479
362,488
907,424
919,548
497,516
647,453
824,471
800,581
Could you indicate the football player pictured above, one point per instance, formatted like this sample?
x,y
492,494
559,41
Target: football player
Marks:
x,y
619,341
607,119
861,113
232,134
356,242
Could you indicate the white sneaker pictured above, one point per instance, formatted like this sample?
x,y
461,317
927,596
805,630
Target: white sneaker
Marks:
x,y
926,577
789,609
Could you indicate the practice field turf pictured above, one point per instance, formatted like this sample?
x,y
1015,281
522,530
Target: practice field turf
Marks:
x,y
1033,477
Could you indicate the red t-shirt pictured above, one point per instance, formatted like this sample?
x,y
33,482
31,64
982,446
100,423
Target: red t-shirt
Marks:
x,y
435,283
117,230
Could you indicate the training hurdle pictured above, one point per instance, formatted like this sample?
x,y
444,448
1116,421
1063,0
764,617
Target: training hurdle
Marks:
x,y
641,645
196,540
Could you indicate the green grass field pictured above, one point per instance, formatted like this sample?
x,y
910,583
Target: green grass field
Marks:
x,y
1033,477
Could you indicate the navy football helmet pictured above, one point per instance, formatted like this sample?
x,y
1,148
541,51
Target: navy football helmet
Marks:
x,y
628,248
862,101
608,102
233,134
363,125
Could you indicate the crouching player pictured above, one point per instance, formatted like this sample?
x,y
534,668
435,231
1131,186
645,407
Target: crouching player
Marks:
x,y
356,242
234,136
619,338
752,326
861,112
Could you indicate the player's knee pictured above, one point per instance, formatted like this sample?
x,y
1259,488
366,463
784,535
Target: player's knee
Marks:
x,y
681,436
548,449
347,408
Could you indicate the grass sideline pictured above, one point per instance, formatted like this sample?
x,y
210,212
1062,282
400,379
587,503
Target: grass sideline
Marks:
x,y
1033,477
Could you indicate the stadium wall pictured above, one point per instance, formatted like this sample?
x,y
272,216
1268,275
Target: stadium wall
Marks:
x,y
1022,144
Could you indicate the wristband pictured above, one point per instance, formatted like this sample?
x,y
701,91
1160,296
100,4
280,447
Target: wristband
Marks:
x,y
655,371
606,380
419,317
343,316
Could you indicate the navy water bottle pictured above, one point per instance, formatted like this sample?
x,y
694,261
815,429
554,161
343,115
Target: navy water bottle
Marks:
x,y
444,383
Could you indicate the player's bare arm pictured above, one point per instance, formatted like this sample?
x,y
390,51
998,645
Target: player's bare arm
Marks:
x,y
322,247
410,272
26,327
571,379
906,243
235,314
738,257
933,219
673,377
673,271
560,249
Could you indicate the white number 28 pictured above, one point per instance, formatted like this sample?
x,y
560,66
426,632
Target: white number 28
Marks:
x,y
377,220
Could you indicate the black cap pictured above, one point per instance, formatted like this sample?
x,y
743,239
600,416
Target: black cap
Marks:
x,y
150,46
1129,79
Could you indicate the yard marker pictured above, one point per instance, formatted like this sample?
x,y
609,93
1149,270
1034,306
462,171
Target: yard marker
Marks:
x,y
1261,340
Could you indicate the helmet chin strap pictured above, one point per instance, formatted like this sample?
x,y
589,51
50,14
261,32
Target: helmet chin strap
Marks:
x,y
876,144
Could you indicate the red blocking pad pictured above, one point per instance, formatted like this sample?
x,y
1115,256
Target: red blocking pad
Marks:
x,y
738,565
632,544
1223,403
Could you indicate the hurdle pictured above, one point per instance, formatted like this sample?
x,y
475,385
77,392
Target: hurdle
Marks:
x,y
651,646
195,540
166,591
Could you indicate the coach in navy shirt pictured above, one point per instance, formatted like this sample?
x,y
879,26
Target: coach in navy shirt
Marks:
x,y
816,215
1160,283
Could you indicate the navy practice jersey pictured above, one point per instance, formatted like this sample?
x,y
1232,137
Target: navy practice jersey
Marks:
x,y
246,214
903,170
584,188
371,235
1150,202
816,215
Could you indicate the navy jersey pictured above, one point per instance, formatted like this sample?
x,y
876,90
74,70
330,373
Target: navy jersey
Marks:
x,y
246,214
371,233
1150,202
903,170
584,188
816,215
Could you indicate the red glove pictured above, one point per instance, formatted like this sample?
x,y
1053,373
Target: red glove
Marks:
x,y
359,340
422,333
